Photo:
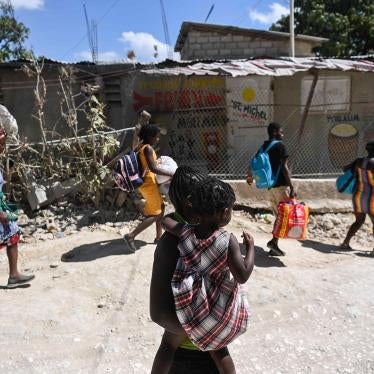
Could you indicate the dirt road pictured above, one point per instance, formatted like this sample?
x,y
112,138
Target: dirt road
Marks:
x,y
312,311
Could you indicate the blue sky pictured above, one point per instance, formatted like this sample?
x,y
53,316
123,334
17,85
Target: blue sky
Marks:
x,y
58,28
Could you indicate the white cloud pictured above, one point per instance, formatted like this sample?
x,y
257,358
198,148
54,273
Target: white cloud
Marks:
x,y
143,44
276,12
28,4
108,56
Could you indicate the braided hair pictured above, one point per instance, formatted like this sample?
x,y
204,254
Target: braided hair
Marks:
x,y
3,133
212,196
370,147
147,132
182,184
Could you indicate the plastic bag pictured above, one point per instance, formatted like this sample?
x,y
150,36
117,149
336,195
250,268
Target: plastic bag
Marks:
x,y
292,220
168,164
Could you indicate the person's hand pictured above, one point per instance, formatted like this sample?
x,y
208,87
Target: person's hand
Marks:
x,y
4,218
248,241
249,179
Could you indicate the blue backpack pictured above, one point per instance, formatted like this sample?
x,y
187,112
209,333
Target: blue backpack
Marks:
x,y
347,182
127,172
261,167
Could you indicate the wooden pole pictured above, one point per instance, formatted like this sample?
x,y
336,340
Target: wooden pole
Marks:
x,y
307,106
292,28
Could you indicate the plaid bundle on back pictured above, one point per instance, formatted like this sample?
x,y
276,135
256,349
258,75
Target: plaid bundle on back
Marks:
x,y
209,305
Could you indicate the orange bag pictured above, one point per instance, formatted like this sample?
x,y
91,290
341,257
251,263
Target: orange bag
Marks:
x,y
292,220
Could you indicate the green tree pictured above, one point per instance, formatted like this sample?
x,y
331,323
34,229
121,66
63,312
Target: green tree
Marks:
x,y
348,24
12,34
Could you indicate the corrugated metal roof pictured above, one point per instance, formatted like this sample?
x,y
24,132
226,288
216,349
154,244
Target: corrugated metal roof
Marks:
x,y
274,67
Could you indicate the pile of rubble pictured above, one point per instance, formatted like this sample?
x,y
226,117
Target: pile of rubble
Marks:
x,y
119,213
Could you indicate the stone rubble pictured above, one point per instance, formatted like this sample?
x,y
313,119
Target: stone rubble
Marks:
x,y
65,218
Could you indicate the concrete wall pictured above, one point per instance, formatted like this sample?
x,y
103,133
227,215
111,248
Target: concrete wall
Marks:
x,y
206,45
321,150
18,97
192,109
319,194
17,94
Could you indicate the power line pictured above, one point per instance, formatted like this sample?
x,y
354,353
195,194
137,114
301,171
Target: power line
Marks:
x,y
86,34
166,30
92,36
209,13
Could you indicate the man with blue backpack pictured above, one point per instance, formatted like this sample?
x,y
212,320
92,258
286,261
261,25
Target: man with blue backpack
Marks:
x,y
268,169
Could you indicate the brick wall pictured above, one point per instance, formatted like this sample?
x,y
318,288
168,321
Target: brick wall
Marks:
x,y
213,45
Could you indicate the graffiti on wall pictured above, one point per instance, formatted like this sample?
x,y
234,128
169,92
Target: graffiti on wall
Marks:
x,y
168,101
346,132
343,143
170,94
249,101
198,134
346,117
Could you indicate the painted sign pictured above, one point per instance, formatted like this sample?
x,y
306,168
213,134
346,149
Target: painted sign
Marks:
x,y
197,135
343,143
345,117
249,109
192,109
165,95
249,101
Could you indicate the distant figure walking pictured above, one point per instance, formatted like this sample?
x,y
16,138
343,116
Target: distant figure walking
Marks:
x,y
363,195
149,135
9,232
283,189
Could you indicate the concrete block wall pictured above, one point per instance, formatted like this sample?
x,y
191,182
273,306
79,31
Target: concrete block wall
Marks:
x,y
319,194
201,45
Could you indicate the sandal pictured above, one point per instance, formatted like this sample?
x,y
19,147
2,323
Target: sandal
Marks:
x,y
274,250
346,247
130,243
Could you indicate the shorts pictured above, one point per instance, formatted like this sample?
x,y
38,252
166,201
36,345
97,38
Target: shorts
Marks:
x,y
276,195
13,240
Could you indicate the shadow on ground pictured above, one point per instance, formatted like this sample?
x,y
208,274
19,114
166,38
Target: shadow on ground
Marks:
x,y
324,247
26,285
365,254
93,251
262,259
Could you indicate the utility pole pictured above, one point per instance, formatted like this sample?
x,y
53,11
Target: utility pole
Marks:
x,y
292,32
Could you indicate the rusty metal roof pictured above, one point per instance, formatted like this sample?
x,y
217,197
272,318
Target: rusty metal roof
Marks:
x,y
273,67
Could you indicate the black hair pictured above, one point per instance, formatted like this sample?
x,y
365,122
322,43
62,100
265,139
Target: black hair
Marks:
x,y
273,127
212,196
370,146
182,184
147,132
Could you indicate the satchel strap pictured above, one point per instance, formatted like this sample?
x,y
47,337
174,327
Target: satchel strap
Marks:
x,y
140,149
365,163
